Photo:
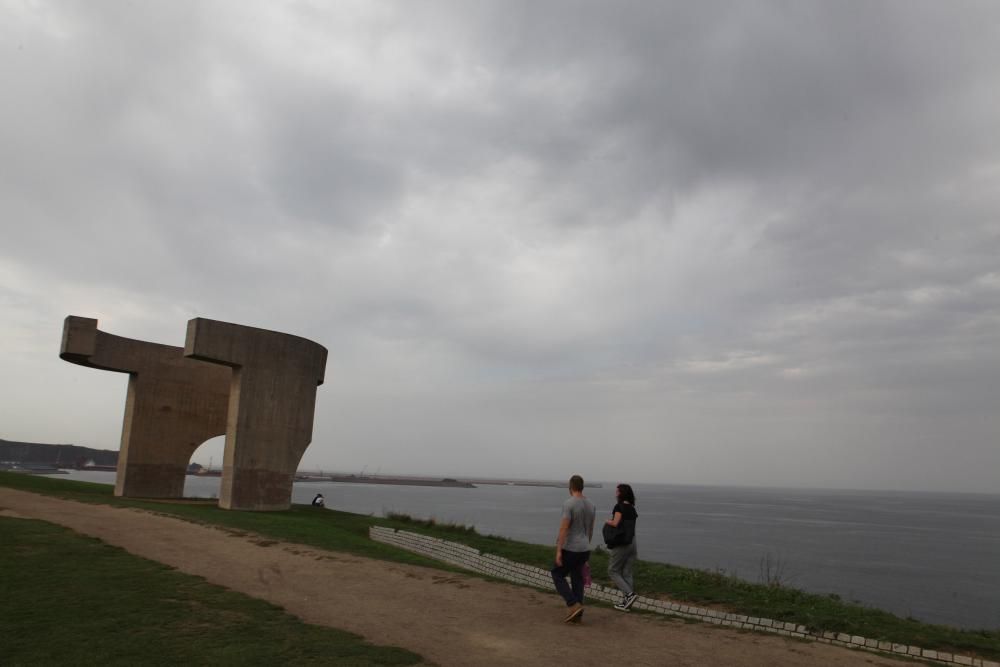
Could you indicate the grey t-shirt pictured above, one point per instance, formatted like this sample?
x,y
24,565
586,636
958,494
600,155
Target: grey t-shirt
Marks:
x,y
581,513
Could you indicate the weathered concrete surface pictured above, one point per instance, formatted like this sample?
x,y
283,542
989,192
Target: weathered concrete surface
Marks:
x,y
173,405
272,401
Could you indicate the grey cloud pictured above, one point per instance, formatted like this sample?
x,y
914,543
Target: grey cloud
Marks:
x,y
748,226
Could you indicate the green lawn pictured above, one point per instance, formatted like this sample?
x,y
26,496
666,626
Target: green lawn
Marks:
x,y
341,531
74,600
336,531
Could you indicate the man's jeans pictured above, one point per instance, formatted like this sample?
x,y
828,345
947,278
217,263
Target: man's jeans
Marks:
x,y
573,562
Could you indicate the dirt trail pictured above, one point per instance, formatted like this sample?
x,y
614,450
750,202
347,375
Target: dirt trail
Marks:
x,y
449,619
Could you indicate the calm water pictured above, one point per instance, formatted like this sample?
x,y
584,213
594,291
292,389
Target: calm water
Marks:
x,y
932,556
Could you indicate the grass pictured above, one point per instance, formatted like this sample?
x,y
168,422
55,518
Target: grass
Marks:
x,y
342,531
69,599
326,529
432,523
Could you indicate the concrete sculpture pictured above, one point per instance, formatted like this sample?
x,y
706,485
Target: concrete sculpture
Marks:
x,y
173,405
256,386
272,401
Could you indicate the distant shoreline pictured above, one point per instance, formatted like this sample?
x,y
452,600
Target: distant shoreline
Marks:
x,y
44,459
396,481
392,480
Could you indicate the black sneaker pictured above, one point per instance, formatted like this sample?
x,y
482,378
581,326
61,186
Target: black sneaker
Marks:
x,y
627,603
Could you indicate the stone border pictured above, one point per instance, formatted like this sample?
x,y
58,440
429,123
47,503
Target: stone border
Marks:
x,y
468,558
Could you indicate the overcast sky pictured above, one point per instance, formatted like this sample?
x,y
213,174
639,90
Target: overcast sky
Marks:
x,y
752,243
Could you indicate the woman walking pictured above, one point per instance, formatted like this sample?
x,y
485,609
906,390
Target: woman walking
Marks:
x,y
619,532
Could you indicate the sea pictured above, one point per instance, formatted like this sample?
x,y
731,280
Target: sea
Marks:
x,y
931,556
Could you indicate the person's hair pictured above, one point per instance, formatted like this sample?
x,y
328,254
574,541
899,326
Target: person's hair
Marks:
x,y
576,483
626,493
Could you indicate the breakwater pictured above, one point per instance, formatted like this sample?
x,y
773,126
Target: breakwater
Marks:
x,y
390,481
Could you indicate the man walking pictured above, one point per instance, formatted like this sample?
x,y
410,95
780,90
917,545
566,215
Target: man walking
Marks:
x,y
573,548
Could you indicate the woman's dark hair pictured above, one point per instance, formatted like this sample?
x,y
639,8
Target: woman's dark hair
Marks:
x,y
626,493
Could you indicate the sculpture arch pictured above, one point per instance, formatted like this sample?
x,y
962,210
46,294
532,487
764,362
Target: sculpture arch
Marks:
x,y
172,406
258,387
272,402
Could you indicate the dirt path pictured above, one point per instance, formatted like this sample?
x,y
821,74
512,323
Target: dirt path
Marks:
x,y
449,619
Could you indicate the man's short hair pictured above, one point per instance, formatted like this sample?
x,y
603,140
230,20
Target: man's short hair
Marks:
x,y
576,483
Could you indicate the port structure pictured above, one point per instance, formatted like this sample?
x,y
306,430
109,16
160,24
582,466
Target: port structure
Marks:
x,y
258,387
